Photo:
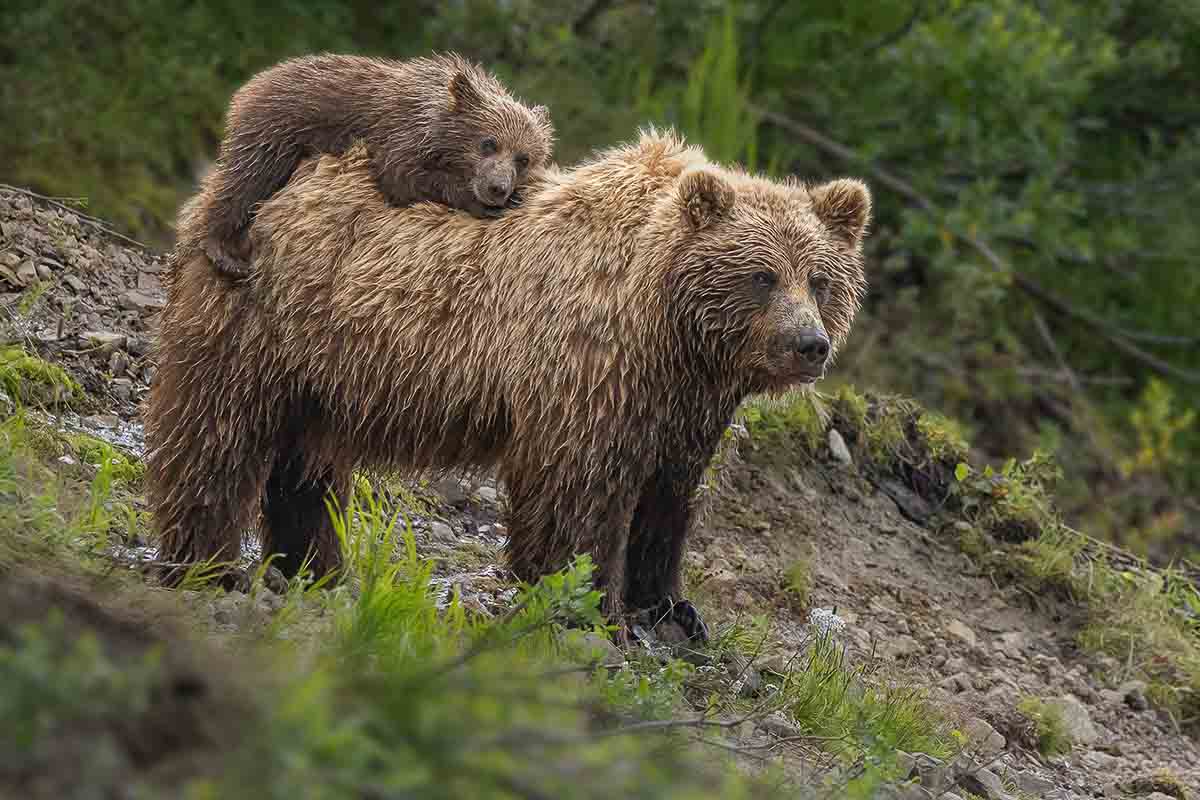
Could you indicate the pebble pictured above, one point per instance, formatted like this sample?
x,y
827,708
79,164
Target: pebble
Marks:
x,y
838,448
487,494
959,630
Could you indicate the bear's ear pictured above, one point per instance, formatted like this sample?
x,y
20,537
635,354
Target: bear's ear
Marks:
x,y
706,197
844,205
542,115
464,94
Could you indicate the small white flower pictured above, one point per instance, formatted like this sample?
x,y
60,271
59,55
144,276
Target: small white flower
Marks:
x,y
826,622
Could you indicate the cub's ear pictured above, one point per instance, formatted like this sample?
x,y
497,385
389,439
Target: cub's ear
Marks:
x,y
844,205
542,115
464,94
706,197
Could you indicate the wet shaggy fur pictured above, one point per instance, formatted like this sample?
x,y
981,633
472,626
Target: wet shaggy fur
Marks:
x,y
593,344
439,128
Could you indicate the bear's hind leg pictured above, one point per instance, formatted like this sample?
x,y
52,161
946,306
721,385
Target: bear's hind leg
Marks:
x,y
296,521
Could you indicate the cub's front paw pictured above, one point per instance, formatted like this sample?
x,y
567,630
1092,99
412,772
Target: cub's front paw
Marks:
x,y
225,262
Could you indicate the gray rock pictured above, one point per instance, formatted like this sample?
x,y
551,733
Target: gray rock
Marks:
x,y
1013,644
984,783
108,421
26,273
76,284
8,276
138,346
451,490
913,791
1134,695
1097,759
838,449
911,505
933,773
746,677
983,737
44,273
1076,719
960,631
602,648
139,301
778,725
959,682
118,362
1033,784
106,341
442,532
487,494
122,389
899,647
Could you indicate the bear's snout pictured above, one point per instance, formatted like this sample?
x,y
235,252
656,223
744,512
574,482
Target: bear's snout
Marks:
x,y
494,185
812,347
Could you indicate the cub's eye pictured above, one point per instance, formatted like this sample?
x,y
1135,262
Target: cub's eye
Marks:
x,y
763,280
522,161
488,146
820,285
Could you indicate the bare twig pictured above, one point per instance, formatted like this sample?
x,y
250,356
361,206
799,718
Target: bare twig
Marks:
x,y
902,187
892,37
95,222
1052,346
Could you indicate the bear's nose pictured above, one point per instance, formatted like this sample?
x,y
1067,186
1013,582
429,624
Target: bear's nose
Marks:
x,y
813,346
497,190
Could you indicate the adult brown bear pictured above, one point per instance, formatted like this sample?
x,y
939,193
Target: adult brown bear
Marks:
x,y
593,344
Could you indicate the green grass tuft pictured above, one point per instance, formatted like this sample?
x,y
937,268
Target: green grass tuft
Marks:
x,y
1049,728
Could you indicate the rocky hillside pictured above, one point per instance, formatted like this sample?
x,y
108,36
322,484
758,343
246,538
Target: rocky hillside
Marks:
x,y
889,620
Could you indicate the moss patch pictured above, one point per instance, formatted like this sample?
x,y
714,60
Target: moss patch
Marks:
x,y
90,450
34,382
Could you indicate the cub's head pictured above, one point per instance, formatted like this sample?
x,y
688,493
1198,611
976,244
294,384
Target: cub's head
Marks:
x,y
498,139
767,277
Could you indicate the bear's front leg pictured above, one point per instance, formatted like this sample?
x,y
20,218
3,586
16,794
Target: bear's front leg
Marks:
x,y
658,536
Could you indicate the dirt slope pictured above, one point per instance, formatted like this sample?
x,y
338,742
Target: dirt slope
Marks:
x,y
872,549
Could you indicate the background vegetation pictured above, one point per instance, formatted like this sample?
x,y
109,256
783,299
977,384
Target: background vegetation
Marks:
x,y
1034,164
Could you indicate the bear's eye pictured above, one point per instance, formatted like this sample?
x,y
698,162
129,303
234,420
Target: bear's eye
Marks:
x,y
763,281
522,161
488,146
820,285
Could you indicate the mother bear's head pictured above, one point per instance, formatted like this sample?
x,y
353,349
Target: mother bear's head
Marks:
x,y
766,276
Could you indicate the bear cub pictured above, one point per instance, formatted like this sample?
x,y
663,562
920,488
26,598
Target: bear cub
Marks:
x,y
439,128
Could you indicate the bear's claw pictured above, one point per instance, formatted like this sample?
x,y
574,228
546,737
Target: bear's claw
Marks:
x,y
684,614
